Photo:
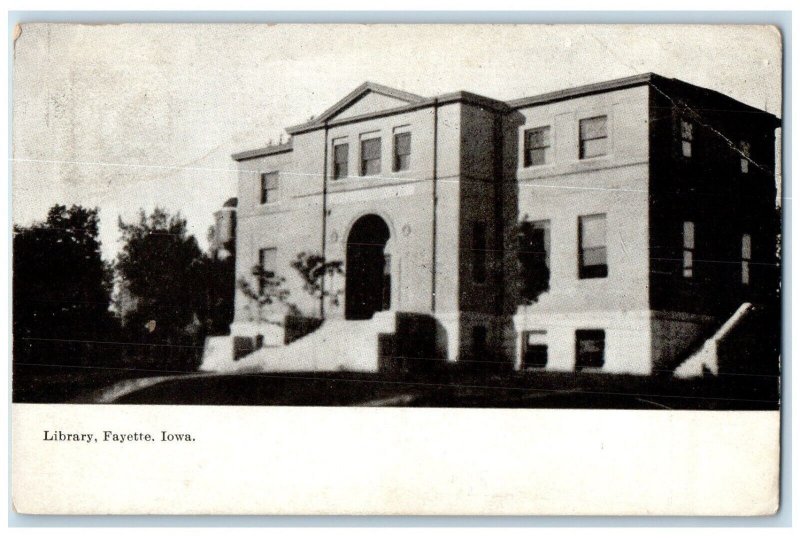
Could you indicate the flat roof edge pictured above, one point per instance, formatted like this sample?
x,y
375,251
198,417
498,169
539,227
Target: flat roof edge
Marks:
x,y
262,152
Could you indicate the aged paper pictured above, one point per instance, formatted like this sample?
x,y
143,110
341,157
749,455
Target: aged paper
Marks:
x,y
396,269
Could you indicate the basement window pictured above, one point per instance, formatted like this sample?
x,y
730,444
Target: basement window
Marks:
x,y
534,349
590,347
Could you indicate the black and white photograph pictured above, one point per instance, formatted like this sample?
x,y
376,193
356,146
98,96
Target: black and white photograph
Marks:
x,y
439,217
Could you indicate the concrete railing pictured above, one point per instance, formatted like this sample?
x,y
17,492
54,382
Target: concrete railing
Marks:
x,y
706,359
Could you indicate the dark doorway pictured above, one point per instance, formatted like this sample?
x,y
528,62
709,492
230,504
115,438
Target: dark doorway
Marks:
x,y
368,281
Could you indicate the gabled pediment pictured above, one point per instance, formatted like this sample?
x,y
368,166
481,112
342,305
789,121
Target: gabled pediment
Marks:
x,y
366,99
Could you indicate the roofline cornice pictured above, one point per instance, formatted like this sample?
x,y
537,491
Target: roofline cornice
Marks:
x,y
263,152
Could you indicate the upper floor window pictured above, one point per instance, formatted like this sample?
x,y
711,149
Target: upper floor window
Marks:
x,y
269,186
747,254
402,152
267,260
537,146
688,249
744,161
592,261
340,155
594,137
371,157
687,137
478,248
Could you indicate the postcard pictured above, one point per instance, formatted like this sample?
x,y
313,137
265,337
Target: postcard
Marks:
x,y
396,269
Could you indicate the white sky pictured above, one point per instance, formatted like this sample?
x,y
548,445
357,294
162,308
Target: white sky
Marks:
x,y
130,116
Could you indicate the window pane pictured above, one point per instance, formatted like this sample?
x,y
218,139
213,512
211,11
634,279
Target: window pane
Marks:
x,y
371,157
593,231
594,148
371,149
745,160
371,167
402,143
593,128
688,263
687,130
340,170
340,153
589,349
745,272
539,138
537,156
688,234
534,356
686,148
594,256
402,162
746,247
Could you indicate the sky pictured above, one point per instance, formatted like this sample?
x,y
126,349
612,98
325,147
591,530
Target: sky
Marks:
x,y
123,117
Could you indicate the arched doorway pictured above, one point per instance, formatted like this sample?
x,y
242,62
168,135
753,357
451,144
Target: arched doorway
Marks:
x,y
368,281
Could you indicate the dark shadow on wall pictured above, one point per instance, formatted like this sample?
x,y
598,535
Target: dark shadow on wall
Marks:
x,y
418,345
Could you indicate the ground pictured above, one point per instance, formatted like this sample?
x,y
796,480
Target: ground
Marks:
x,y
529,389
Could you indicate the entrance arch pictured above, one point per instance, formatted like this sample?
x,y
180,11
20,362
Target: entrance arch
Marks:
x,y
368,265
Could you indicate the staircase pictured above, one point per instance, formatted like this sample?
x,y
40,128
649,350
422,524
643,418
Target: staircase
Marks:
x,y
337,345
707,358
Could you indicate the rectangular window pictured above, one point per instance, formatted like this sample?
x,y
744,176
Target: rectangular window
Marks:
x,y
688,249
402,151
340,154
534,258
594,137
268,261
592,245
744,161
386,292
747,254
590,347
537,146
479,335
269,186
478,248
371,157
687,137
534,349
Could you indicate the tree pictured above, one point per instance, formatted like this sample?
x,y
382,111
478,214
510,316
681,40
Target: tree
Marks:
x,y
62,290
219,274
268,291
532,259
161,268
314,269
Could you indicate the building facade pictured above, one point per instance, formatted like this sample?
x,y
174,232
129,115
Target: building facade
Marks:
x,y
607,227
